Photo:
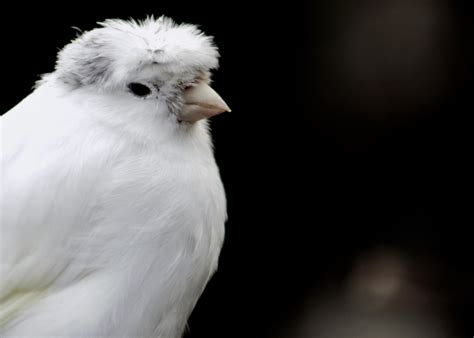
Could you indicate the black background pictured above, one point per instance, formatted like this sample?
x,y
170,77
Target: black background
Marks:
x,y
316,173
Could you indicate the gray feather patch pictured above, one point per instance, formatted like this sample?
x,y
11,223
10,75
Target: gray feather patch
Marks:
x,y
83,62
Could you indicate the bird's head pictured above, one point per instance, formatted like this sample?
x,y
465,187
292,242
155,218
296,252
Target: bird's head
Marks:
x,y
153,62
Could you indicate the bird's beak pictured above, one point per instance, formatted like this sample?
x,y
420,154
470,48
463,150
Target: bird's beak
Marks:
x,y
200,102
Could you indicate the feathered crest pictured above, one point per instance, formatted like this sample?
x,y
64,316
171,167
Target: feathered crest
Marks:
x,y
110,55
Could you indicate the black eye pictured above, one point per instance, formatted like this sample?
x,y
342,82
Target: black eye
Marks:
x,y
139,89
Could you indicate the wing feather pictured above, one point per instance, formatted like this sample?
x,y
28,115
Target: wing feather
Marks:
x,y
51,164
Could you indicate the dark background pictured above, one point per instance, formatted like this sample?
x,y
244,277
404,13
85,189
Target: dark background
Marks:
x,y
347,149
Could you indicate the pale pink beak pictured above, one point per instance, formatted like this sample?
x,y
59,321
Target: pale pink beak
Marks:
x,y
201,101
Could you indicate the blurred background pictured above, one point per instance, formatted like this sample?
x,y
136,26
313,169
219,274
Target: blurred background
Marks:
x,y
346,158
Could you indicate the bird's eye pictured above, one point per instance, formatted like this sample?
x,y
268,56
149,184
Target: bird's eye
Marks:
x,y
139,89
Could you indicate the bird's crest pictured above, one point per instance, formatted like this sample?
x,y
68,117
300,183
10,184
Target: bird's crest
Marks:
x,y
118,50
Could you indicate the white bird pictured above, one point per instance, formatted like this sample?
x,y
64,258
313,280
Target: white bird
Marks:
x,y
112,206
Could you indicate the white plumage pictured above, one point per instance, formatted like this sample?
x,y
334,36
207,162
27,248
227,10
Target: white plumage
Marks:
x,y
112,207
